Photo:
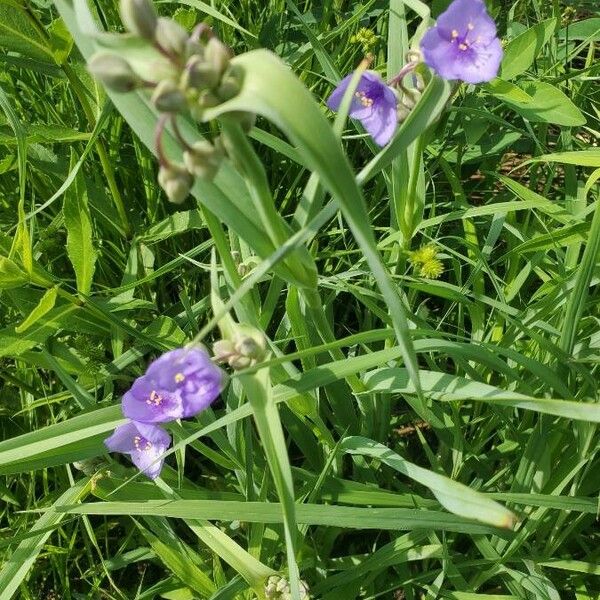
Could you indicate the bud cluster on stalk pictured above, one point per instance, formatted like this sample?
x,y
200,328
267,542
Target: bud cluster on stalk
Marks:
x,y
278,588
246,348
190,74
408,96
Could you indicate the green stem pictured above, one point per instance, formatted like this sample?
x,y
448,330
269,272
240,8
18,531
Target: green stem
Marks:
x,y
242,154
266,416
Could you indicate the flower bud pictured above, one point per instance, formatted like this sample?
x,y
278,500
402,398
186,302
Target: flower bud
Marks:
x,y
199,74
247,348
193,48
114,72
167,97
217,54
410,97
278,588
203,159
229,88
402,112
139,17
208,100
171,36
176,182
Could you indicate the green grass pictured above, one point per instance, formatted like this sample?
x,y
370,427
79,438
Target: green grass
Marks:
x,y
438,437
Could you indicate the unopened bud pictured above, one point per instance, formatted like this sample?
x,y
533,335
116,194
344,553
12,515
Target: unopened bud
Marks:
x,y
199,74
193,48
114,72
217,54
171,36
278,588
139,17
410,97
229,88
203,159
208,100
402,112
176,182
247,348
167,97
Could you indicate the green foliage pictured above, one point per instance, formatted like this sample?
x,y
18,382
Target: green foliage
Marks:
x,y
406,437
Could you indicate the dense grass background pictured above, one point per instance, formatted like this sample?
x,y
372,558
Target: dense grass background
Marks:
x,y
506,191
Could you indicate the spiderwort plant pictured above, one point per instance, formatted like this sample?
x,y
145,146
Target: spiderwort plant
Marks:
x,y
179,384
374,105
463,45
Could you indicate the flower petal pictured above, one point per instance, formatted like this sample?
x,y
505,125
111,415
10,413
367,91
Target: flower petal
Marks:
x,y
458,16
482,64
439,54
381,124
122,439
148,461
335,99
201,391
157,406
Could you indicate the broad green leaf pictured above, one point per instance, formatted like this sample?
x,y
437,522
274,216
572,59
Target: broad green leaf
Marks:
x,y
11,275
80,247
521,51
61,41
587,30
548,104
452,495
19,34
505,90
45,304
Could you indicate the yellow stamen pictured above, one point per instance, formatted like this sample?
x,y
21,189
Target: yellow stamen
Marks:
x,y
137,442
364,99
179,377
454,34
463,47
470,26
155,398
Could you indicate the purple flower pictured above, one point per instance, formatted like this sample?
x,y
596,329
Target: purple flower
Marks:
x,y
463,44
146,402
186,374
144,443
374,105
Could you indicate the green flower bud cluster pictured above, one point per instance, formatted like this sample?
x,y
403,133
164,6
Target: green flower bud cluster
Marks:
x,y
367,39
193,73
246,348
278,588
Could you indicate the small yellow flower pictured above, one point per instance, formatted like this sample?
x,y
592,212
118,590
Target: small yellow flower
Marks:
x,y
367,38
423,255
432,269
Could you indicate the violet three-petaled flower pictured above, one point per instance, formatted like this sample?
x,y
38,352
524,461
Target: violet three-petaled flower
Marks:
x,y
146,402
144,443
187,373
463,44
374,105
